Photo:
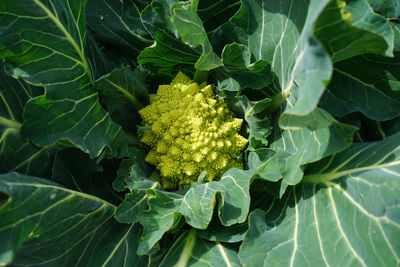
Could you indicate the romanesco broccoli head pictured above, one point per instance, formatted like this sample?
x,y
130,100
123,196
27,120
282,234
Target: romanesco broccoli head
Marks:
x,y
191,131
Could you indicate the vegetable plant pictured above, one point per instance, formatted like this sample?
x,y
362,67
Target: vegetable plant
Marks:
x,y
199,133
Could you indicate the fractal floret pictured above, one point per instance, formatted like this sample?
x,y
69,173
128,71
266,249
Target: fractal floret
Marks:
x,y
191,131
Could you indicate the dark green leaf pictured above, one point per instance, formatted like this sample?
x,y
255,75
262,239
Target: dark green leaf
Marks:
x,y
102,59
347,94
83,123
214,13
16,152
239,73
118,23
190,27
356,29
58,226
75,170
44,43
217,232
124,93
168,54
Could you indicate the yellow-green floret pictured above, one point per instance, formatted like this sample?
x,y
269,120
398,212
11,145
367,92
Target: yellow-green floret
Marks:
x,y
191,131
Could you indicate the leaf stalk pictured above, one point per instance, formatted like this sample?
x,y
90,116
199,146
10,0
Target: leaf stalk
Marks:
x,y
10,123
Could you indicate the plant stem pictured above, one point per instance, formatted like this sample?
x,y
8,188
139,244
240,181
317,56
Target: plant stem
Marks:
x,y
276,102
380,130
10,123
187,250
200,76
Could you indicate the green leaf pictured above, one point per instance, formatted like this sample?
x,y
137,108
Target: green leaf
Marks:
x,y
196,205
281,32
133,204
118,23
372,85
168,54
190,27
356,29
217,232
124,93
16,152
83,123
103,59
259,126
75,170
263,162
364,17
239,73
190,251
56,226
134,172
347,94
354,212
294,149
214,13
386,8
44,43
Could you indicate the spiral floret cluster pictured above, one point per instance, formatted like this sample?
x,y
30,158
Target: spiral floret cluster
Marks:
x,y
191,131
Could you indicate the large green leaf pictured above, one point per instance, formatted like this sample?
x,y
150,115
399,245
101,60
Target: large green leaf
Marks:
x,y
196,205
103,59
83,123
351,209
75,170
259,126
238,72
214,13
16,152
347,94
168,54
280,32
118,23
353,30
124,93
191,251
44,43
293,150
369,84
190,27
45,224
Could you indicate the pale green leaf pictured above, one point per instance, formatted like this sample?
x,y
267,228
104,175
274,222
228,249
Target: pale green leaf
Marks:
x,y
191,251
350,218
190,27
197,206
